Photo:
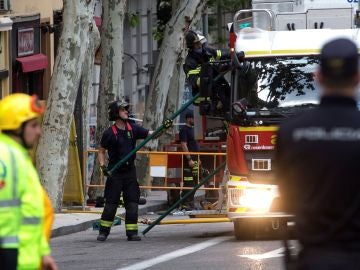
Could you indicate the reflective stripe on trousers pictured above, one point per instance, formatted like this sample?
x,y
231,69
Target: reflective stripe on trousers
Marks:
x,y
131,227
106,223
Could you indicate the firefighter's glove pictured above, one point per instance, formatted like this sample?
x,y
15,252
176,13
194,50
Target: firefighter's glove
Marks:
x,y
168,123
105,171
204,172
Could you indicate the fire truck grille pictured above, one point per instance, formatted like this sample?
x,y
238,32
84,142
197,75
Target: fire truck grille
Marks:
x,y
234,196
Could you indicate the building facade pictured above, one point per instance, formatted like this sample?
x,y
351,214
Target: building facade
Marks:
x,y
5,65
27,43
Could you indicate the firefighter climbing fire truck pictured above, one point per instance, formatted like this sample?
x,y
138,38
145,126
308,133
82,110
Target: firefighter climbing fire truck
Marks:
x,y
273,82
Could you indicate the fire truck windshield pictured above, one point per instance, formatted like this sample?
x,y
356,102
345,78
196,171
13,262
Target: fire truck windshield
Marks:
x,y
279,82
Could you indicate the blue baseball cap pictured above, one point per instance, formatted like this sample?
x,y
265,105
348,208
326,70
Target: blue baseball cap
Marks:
x,y
339,59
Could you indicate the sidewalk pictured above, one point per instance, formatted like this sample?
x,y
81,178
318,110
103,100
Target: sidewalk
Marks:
x,y
72,222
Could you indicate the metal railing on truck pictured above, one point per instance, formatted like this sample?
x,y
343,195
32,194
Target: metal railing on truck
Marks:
x,y
158,162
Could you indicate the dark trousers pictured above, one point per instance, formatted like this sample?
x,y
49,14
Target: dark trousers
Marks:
x,y
190,199
8,258
124,182
222,93
323,258
190,178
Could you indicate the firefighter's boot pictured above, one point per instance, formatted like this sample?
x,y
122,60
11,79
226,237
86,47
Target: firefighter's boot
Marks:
x,y
131,219
103,233
132,232
134,237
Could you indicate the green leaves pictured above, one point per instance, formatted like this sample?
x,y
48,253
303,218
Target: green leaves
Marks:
x,y
134,19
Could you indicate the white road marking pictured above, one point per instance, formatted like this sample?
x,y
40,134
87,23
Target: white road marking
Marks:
x,y
176,254
271,254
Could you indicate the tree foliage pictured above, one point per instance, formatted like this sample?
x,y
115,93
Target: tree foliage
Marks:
x,y
163,12
275,79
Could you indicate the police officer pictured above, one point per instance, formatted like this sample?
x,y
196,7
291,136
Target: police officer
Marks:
x,y
190,162
23,222
199,55
317,160
119,140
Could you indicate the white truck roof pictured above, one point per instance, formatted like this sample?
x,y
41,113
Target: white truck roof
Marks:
x,y
259,43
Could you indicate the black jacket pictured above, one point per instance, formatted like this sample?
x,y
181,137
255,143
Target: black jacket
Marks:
x,y
193,62
318,171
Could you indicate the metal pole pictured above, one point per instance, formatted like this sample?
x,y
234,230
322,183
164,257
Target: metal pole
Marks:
x,y
205,21
203,181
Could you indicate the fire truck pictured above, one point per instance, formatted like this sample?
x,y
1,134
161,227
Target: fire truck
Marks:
x,y
273,82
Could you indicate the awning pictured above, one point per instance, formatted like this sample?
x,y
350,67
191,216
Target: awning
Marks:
x,y
33,62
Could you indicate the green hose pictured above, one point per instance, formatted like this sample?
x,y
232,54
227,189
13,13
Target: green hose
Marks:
x,y
166,124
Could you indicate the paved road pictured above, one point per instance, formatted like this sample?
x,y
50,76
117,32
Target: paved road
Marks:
x,y
175,247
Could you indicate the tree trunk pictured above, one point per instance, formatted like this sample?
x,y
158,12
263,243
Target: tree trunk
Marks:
x,y
110,73
174,99
167,69
52,151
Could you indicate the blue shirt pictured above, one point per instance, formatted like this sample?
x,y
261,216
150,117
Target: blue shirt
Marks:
x,y
187,135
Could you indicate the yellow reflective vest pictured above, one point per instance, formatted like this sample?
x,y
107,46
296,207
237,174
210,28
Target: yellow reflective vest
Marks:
x,y
22,209
10,201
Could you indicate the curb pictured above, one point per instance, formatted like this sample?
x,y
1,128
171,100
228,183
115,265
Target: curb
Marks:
x,y
64,230
82,226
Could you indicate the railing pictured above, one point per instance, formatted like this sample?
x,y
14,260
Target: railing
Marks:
x,y
159,167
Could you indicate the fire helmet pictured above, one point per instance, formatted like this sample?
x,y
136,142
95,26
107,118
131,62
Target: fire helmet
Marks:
x,y
192,37
114,108
15,109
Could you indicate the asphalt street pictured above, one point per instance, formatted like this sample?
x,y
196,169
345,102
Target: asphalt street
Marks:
x,y
175,247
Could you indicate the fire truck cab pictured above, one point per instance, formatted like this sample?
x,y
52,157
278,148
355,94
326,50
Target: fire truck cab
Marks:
x,y
272,83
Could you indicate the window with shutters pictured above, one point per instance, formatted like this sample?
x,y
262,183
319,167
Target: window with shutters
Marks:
x,y
4,5
261,164
251,139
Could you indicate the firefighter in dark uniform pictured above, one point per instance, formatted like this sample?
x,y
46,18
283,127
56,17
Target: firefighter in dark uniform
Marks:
x,y
317,165
119,140
199,54
190,162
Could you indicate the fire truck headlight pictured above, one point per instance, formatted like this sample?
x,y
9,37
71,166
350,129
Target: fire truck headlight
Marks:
x,y
257,199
